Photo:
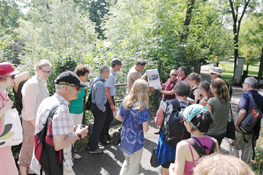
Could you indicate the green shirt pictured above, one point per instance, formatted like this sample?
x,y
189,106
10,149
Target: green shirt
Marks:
x,y
76,106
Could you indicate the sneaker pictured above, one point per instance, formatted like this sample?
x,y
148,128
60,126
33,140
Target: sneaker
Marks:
x,y
97,151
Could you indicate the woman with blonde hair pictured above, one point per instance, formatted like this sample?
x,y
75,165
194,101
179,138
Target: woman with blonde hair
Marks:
x,y
34,91
219,106
134,115
7,78
221,164
194,79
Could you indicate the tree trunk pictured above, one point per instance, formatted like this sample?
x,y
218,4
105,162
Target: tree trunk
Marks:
x,y
261,64
187,19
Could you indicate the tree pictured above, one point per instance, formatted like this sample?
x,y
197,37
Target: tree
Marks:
x,y
251,39
235,7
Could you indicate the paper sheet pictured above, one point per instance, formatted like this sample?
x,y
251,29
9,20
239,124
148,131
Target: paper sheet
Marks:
x,y
153,78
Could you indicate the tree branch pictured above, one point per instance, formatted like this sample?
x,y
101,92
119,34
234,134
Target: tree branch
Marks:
x,y
242,15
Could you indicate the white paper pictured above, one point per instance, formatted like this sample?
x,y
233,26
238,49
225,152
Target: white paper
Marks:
x,y
153,78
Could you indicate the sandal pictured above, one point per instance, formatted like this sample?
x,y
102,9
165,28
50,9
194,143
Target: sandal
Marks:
x,y
77,156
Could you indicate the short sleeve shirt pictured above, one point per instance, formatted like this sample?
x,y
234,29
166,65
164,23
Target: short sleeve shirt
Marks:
x,y
62,124
110,82
133,75
132,136
169,85
220,116
244,100
76,106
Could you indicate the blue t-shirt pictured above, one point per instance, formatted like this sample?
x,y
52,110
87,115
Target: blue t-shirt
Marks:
x,y
76,106
132,136
244,100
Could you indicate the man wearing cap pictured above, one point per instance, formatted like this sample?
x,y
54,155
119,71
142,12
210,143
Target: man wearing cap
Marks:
x,y
67,88
98,108
244,141
216,72
135,73
110,105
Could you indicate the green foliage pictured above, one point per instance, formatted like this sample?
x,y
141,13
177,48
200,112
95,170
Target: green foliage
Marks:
x,y
257,164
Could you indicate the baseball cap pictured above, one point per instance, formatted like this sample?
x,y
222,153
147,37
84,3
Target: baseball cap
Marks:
x,y
69,77
193,110
216,70
7,69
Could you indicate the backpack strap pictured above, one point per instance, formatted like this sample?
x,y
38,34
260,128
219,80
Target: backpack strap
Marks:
x,y
200,149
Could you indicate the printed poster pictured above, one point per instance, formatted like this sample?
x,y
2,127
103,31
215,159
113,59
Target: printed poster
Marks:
x,y
153,78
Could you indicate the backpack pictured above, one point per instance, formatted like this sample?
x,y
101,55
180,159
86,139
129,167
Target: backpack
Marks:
x,y
88,104
200,149
51,161
18,97
174,129
252,117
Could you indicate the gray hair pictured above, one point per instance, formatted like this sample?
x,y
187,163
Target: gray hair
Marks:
x,y
182,88
115,62
140,62
104,68
252,82
59,87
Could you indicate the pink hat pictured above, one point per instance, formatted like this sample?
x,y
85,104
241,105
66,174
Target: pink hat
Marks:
x,y
7,69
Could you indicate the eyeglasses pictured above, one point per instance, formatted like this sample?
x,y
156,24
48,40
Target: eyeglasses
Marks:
x,y
174,75
77,88
46,72
12,76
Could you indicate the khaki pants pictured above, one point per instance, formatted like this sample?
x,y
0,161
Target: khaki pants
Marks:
x,y
66,172
131,163
76,118
240,144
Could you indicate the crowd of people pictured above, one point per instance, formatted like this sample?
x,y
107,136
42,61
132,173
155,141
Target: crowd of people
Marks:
x,y
205,116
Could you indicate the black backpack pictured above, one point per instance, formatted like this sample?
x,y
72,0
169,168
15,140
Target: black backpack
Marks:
x,y
200,149
51,161
88,104
18,97
174,129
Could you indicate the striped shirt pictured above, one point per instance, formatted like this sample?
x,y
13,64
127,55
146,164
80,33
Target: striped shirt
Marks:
x,y
61,125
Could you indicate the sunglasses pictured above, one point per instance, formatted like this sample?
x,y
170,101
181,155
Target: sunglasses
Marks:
x,y
12,76
77,88
212,73
174,74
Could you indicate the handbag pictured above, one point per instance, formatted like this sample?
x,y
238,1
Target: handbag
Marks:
x,y
10,129
116,136
153,159
230,132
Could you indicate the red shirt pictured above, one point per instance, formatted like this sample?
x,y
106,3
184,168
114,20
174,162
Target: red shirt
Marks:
x,y
169,85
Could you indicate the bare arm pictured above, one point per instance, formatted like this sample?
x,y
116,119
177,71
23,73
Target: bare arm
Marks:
x,y
113,108
216,147
181,150
119,117
241,114
7,105
209,107
159,116
145,126
144,76
61,141
172,92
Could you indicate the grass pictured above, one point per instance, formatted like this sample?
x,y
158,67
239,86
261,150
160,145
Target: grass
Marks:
x,y
228,70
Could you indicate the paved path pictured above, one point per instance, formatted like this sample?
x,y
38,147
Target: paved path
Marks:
x,y
111,161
